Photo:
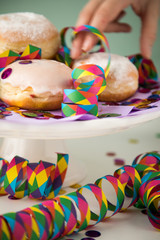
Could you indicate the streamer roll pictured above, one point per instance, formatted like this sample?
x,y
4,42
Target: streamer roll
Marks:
x,y
95,75
42,180
72,212
148,76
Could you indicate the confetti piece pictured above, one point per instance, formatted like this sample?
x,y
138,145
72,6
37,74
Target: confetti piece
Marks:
x,y
111,154
62,191
134,141
93,233
42,180
13,198
67,214
106,115
6,73
157,135
87,238
25,62
75,186
12,108
119,161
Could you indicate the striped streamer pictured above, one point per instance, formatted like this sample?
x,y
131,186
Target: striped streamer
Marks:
x,y
148,76
71,213
8,57
42,180
83,99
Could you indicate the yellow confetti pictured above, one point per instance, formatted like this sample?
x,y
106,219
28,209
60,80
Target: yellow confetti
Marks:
x,y
75,186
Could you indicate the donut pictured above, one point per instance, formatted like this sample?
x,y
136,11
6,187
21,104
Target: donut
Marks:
x,y
35,84
17,30
122,80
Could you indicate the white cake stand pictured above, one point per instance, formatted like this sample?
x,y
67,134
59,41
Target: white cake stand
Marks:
x,y
41,140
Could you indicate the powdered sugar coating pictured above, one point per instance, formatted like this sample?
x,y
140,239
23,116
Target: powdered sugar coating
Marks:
x,y
122,80
119,68
25,25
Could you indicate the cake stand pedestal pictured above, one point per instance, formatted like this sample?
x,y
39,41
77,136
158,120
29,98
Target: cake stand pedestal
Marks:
x,y
41,140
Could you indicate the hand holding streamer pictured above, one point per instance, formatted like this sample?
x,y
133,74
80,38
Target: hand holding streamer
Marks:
x,y
83,99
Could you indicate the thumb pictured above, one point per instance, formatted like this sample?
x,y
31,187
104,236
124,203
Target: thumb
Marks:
x,y
149,28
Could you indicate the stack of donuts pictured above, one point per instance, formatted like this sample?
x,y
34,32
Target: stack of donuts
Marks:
x,y
39,84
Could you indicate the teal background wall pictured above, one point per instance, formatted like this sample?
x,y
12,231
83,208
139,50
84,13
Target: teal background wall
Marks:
x,y
64,13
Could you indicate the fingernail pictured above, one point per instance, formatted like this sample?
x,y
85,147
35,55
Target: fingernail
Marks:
x,y
73,52
147,54
129,29
86,45
83,51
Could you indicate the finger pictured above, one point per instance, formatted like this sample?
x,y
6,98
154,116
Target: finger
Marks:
x,y
118,27
97,9
76,49
90,40
121,15
88,11
84,18
107,12
149,28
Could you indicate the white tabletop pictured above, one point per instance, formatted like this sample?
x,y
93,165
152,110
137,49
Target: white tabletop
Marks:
x,y
125,145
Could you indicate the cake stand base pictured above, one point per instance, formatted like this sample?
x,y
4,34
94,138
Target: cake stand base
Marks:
x,y
37,149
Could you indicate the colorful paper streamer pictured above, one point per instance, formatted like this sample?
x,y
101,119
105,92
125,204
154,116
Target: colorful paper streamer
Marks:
x,y
42,180
148,80
76,102
8,57
148,76
80,102
71,213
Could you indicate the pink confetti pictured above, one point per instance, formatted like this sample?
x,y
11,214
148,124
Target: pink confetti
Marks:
x,y
119,162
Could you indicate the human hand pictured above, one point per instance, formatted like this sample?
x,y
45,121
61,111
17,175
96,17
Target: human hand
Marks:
x,y
105,15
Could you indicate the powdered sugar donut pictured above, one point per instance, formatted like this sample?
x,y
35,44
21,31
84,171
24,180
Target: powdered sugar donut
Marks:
x,y
36,84
122,80
17,30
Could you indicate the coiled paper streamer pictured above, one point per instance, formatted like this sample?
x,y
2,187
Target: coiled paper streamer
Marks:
x,y
30,52
70,213
83,99
42,180
148,76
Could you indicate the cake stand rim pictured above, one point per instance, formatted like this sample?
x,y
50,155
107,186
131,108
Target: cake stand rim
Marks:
x,y
73,129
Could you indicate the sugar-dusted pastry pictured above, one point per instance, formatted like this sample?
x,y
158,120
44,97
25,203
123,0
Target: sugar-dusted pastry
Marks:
x,y
122,80
17,30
